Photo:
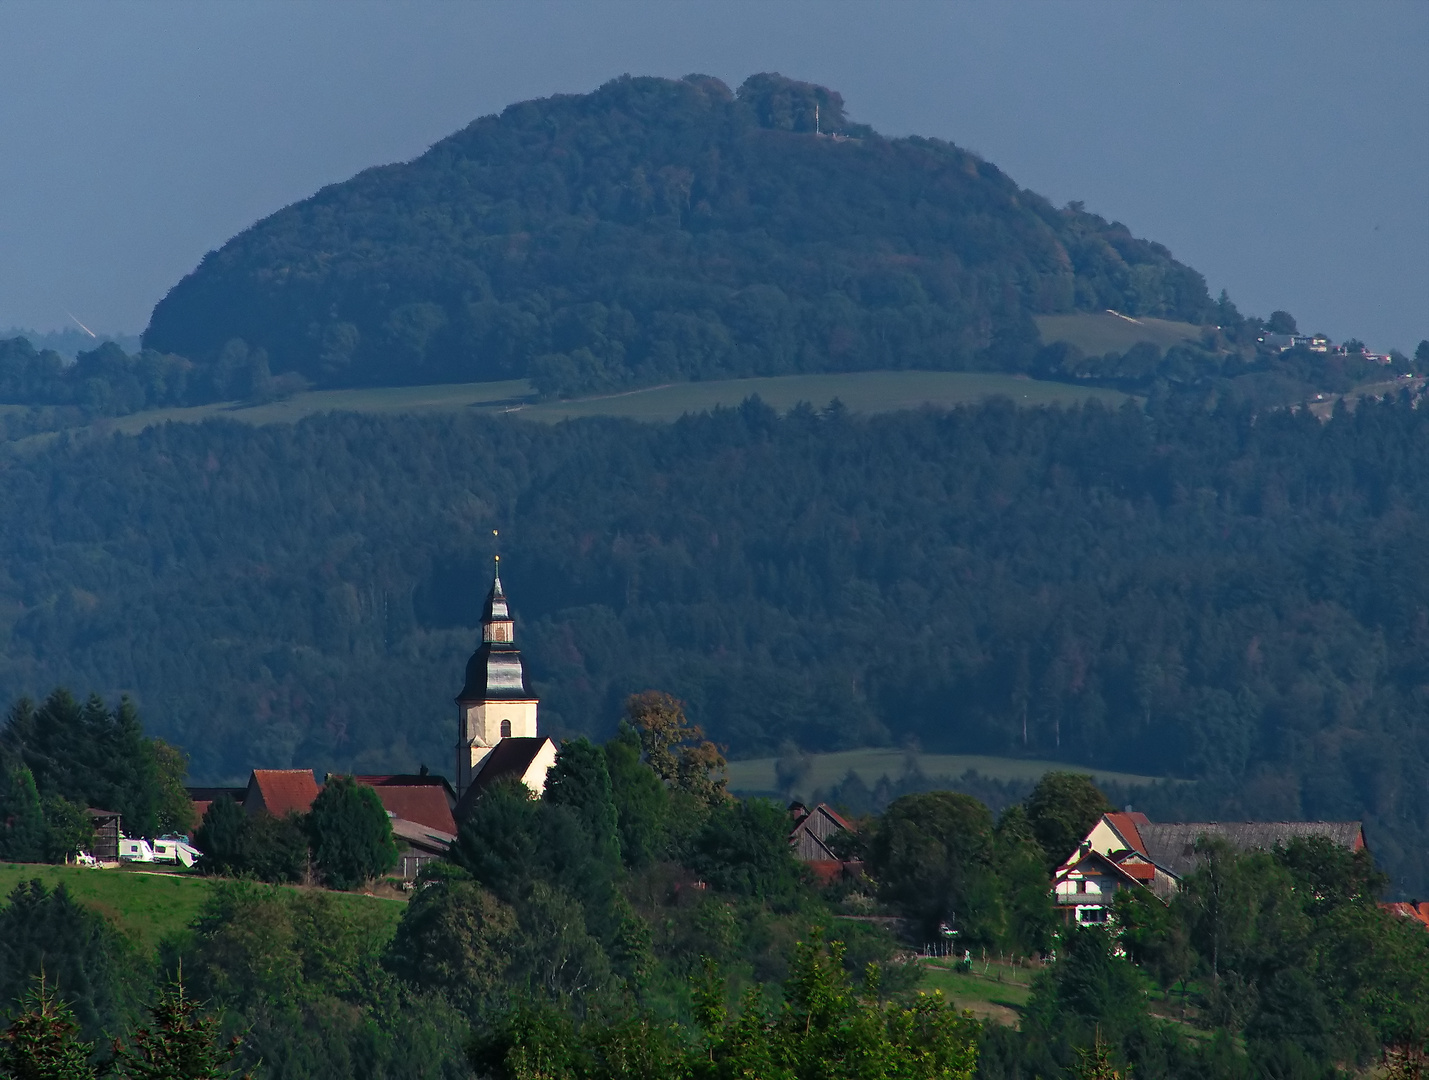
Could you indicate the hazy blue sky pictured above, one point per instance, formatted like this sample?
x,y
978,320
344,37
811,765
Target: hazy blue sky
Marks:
x,y
1280,148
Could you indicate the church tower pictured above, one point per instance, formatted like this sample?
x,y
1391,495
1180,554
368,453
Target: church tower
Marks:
x,y
496,703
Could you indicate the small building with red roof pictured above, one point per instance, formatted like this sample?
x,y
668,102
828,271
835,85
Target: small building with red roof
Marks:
x,y
421,798
280,791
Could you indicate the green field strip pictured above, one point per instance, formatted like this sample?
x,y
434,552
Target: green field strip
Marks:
x,y
757,774
859,391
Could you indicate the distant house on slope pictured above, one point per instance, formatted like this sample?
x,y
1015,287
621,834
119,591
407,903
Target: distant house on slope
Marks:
x,y
1126,849
810,840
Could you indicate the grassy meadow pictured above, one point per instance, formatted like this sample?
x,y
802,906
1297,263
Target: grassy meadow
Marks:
x,y
992,990
1097,332
145,906
757,774
860,391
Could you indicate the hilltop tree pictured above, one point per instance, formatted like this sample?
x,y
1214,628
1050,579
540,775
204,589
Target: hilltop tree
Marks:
x,y
351,834
455,937
933,855
1281,322
85,960
579,779
642,803
96,756
676,749
1061,810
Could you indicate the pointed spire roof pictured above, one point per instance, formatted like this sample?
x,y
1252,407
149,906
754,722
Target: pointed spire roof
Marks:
x,y
495,671
496,607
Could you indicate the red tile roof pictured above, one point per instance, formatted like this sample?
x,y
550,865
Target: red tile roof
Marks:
x,y
426,804
1417,912
280,791
410,780
1127,824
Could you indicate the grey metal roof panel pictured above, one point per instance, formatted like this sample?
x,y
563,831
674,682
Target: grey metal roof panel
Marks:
x,y
1171,845
495,673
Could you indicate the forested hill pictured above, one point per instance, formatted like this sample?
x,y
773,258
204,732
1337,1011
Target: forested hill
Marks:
x,y
1208,594
660,230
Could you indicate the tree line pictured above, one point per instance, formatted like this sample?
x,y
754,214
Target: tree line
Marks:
x,y
62,757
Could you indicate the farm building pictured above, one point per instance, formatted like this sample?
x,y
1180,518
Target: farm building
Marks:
x,y
1127,849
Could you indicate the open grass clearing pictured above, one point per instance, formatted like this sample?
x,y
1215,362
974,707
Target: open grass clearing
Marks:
x,y
147,906
757,774
860,391
405,400
1097,332
990,991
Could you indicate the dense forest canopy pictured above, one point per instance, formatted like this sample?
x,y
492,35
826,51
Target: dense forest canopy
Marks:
x,y
1215,595
658,230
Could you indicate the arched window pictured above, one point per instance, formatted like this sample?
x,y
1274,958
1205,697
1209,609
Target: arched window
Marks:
x,y
506,729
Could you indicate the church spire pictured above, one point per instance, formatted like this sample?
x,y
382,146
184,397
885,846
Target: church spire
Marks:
x,y
496,622
495,702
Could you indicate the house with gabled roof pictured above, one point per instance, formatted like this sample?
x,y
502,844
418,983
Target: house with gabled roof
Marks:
x,y
810,839
1128,849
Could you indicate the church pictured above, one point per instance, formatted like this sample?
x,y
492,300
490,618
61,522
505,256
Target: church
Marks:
x,y
496,712
496,739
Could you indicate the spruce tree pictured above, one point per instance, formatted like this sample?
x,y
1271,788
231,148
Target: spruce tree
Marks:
x,y
22,819
43,1043
179,1043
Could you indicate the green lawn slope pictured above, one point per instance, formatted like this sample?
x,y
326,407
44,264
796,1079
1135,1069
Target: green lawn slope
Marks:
x,y
992,990
1096,332
146,906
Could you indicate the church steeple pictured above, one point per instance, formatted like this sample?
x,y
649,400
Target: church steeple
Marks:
x,y
496,624
495,702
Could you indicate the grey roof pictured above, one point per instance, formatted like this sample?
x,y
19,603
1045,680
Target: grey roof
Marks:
x,y
435,841
1171,845
495,673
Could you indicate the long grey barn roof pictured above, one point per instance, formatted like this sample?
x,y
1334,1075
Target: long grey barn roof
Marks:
x,y
1171,845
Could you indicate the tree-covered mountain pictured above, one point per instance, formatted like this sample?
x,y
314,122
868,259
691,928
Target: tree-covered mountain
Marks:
x,y
1212,594
662,230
